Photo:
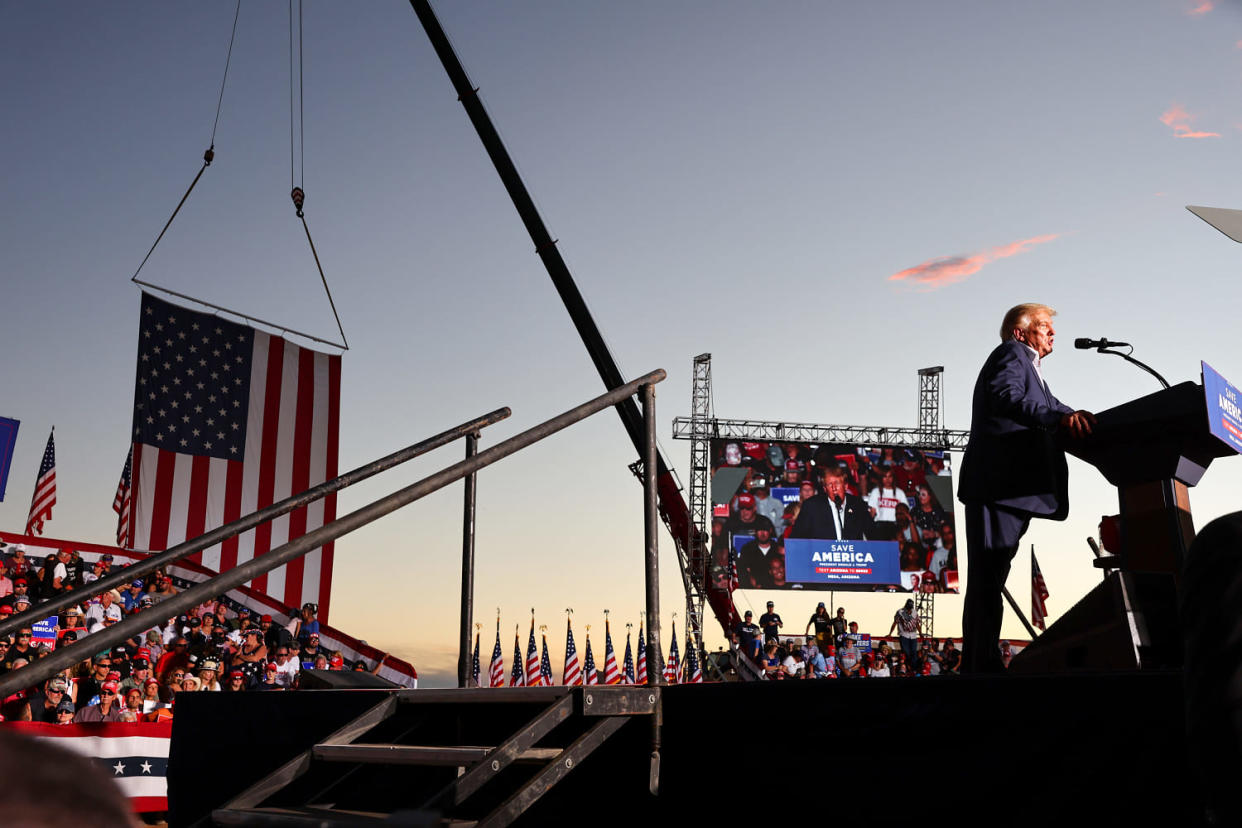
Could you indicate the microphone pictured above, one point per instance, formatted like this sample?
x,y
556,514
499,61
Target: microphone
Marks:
x,y
1083,344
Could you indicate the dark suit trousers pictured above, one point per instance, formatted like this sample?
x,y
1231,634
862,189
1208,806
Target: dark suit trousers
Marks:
x,y
992,537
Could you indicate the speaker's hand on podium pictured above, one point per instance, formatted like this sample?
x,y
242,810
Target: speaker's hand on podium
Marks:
x,y
1078,423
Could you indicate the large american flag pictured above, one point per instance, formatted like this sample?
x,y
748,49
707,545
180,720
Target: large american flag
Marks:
x,y
227,420
496,671
45,490
572,674
612,675
1039,594
123,500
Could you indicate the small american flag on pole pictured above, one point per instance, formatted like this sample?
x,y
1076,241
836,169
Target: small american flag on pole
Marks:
x,y
45,490
573,673
496,671
545,664
123,501
592,677
1039,594
517,678
642,657
694,672
474,662
533,677
627,672
672,668
612,675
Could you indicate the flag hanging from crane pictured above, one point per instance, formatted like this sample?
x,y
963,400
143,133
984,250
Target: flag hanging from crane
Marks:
x,y
229,419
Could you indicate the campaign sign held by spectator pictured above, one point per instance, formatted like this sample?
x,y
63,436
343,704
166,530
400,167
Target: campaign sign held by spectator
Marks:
x,y
832,563
44,632
791,515
1224,408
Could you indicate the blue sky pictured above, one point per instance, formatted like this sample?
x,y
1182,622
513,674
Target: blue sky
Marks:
x,y
729,177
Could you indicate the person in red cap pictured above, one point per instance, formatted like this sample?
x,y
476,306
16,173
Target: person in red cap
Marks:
x,y
237,681
748,519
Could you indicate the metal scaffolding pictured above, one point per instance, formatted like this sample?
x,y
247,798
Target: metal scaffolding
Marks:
x,y
700,472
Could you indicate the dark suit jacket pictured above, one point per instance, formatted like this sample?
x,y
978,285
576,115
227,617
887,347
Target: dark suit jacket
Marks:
x,y
815,519
1012,459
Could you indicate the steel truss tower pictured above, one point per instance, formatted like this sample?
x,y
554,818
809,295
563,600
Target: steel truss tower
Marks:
x,y
931,407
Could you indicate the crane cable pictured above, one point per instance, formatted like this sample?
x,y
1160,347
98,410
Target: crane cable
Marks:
x,y
208,156
297,156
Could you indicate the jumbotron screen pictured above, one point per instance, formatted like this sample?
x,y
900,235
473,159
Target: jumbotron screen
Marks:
x,y
827,516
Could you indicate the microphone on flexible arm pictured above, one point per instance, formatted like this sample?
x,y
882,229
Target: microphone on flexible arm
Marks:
x,y
1085,344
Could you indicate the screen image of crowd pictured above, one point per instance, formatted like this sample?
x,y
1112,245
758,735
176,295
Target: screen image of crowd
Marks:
x,y
833,647
898,500
216,646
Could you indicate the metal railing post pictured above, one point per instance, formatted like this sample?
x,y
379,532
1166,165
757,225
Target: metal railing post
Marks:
x,y
651,526
464,658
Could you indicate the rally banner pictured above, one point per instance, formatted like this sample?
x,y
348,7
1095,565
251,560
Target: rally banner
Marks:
x,y
135,755
186,573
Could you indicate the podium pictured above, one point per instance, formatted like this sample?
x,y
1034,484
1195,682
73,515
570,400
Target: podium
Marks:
x,y
1153,449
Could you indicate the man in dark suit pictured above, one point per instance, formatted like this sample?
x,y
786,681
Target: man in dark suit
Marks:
x,y
1012,471
833,515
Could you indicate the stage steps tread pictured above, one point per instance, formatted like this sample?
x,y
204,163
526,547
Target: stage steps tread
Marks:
x,y
314,816
385,754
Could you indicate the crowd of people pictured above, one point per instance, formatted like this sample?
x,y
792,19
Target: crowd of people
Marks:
x,y
831,647
215,646
878,494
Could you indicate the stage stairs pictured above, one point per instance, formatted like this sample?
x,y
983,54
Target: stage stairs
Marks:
x,y
473,756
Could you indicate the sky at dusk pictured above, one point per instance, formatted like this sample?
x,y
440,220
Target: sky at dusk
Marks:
x,y
825,196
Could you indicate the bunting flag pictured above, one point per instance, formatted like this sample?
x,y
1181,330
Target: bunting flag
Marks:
x,y
627,673
496,671
642,657
672,668
545,665
227,420
592,677
612,675
533,676
734,583
123,500
517,678
694,672
1039,594
45,490
474,663
572,674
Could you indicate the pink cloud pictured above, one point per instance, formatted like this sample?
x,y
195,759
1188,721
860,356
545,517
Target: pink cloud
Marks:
x,y
1179,119
1201,9
936,273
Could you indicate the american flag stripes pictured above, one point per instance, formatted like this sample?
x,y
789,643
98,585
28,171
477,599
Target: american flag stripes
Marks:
x,y
229,419
45,490
123,500
672,668
496,671
592,677
517,678
612,675
1039,594
694,672
545,665
533,677
627,672
572,674
642,657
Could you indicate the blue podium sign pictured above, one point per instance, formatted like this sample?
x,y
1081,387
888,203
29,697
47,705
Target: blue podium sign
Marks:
x,y
1224,408
841,562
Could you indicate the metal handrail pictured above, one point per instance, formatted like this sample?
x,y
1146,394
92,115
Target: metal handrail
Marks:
x,y
139,622
228,530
